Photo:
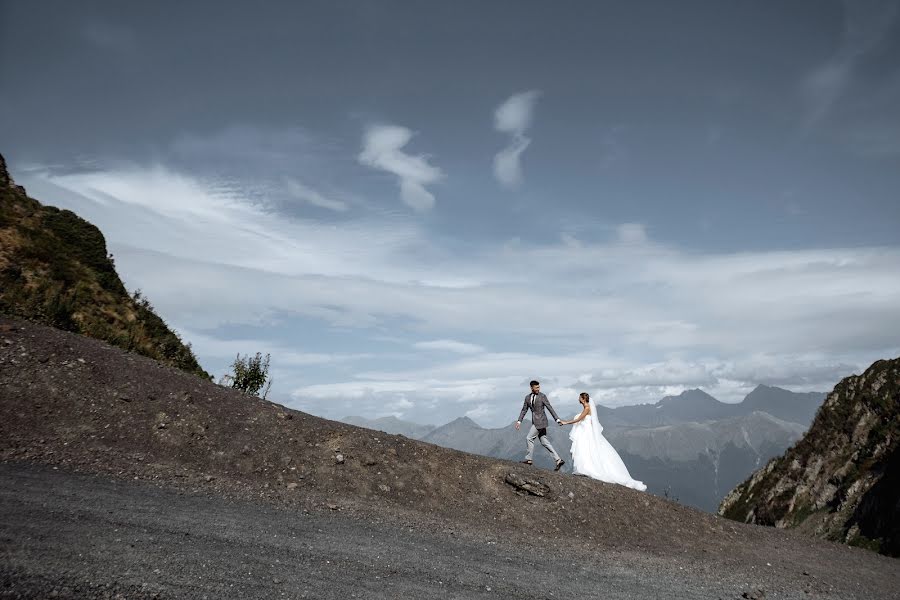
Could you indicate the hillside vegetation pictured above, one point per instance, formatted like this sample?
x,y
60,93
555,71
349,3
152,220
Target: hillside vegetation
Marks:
x,y
55,269
841,481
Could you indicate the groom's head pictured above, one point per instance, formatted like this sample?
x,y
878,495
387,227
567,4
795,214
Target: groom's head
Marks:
x,y
535,386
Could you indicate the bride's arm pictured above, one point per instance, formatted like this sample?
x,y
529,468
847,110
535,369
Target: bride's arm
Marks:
x,y
579,418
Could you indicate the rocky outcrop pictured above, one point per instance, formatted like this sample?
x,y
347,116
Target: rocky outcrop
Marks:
x,y
6,181
841,481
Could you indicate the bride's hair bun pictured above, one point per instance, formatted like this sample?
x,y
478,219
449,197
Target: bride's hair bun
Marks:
x,y
585,395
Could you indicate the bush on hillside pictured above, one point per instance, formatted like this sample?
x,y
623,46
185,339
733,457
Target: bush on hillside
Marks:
x,y
250,374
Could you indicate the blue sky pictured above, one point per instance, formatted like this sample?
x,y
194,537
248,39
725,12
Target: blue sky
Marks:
x,y
418,207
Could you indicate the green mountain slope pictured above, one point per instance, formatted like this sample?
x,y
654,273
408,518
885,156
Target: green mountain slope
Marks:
x,y
55,269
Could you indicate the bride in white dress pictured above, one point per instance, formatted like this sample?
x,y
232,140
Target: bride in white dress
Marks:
x,y
592,455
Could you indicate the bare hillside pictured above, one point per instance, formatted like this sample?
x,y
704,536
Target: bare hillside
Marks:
x,y
82,405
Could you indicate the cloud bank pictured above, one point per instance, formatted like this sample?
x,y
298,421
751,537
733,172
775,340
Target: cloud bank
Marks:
x,y
434,334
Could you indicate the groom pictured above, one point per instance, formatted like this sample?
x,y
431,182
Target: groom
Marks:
x,y
536,402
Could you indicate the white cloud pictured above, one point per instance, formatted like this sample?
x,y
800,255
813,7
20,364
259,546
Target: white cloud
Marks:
x,y
507,162
383,150
515,114
632,233
513,117
311,196
450,346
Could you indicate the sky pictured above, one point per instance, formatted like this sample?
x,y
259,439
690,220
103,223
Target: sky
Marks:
x,y
418,207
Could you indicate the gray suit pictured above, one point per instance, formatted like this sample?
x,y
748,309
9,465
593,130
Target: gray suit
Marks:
x,y
536,403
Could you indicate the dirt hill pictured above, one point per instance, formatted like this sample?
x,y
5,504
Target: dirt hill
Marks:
x,y
55,269
841,481
82,405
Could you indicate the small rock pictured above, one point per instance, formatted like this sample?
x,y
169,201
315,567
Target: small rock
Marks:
x,y
370,462
209,478
124,397
162,425
339,459
333,506
384,488
293,485
571,495
527,486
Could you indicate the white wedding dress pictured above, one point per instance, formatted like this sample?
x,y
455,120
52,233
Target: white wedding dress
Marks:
x,y
593,456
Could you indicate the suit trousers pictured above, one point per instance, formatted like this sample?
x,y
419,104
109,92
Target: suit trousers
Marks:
x,y
533,435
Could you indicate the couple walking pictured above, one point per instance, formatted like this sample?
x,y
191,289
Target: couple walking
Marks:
x,y
592,455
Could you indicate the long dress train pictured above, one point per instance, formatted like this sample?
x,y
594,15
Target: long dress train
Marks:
x,y
594,456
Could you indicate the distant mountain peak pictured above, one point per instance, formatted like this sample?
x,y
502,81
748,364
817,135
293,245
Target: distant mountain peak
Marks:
x,y
762,387
695,394
464,421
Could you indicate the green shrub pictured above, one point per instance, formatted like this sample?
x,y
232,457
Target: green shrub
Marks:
x,y
249,374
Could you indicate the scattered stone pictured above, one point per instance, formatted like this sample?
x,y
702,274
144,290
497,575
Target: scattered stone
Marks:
x,y
339,459
384,488
293,485
333,506
370,462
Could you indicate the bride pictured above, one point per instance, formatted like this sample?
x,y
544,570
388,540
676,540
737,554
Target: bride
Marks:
x,y
592,455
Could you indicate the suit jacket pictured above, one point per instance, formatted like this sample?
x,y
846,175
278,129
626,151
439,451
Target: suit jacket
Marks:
x,y
537,411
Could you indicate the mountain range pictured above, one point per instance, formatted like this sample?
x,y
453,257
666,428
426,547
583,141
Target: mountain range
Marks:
x,y
690,447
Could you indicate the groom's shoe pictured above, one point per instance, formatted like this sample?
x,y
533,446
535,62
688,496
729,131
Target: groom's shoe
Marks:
x,y
559,464
527,462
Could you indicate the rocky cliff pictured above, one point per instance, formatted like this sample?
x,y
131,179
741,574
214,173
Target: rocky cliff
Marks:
x,y
841,481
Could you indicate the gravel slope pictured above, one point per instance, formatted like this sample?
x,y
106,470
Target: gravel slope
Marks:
x,y
86,536
163,452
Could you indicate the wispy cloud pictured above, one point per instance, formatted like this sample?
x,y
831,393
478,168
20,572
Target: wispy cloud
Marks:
x,y
311,196
383,149
632,233
450,346
514,118
866,25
